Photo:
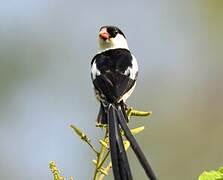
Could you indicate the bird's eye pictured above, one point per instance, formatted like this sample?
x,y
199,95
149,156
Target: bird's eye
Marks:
x,y
115,33
112,31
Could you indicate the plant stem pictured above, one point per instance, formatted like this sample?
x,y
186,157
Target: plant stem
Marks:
x,y
109,166
84,137
105,158
100,156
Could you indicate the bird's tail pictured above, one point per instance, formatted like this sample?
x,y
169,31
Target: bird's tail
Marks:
x,y
117,119
120,164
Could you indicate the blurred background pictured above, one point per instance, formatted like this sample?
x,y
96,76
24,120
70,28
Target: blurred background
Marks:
x,y
45,53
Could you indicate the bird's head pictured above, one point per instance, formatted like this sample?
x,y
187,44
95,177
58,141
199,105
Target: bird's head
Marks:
x,y
111,37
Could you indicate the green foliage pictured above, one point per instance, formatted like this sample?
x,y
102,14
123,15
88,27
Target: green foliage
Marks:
x,y
56,172
212,175
102,165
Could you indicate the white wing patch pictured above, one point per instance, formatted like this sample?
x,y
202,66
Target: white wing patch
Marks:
x,y
94,71
132,71
127,94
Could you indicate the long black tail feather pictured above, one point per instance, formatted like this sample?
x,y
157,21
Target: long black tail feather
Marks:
x,y
122,118
121,169
117,117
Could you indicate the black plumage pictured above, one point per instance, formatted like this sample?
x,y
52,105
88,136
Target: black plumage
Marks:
x,y
114,76
113,30
112,82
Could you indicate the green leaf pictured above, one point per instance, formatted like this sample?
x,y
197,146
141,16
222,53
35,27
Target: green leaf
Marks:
x,y
212,175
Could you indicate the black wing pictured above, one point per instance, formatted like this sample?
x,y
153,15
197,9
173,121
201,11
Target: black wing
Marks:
x,y
113,81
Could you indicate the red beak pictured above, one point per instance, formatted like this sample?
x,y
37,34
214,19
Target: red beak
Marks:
x,y
104,34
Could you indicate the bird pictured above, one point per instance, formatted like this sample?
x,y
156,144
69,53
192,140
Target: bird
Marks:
x,y
114,71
